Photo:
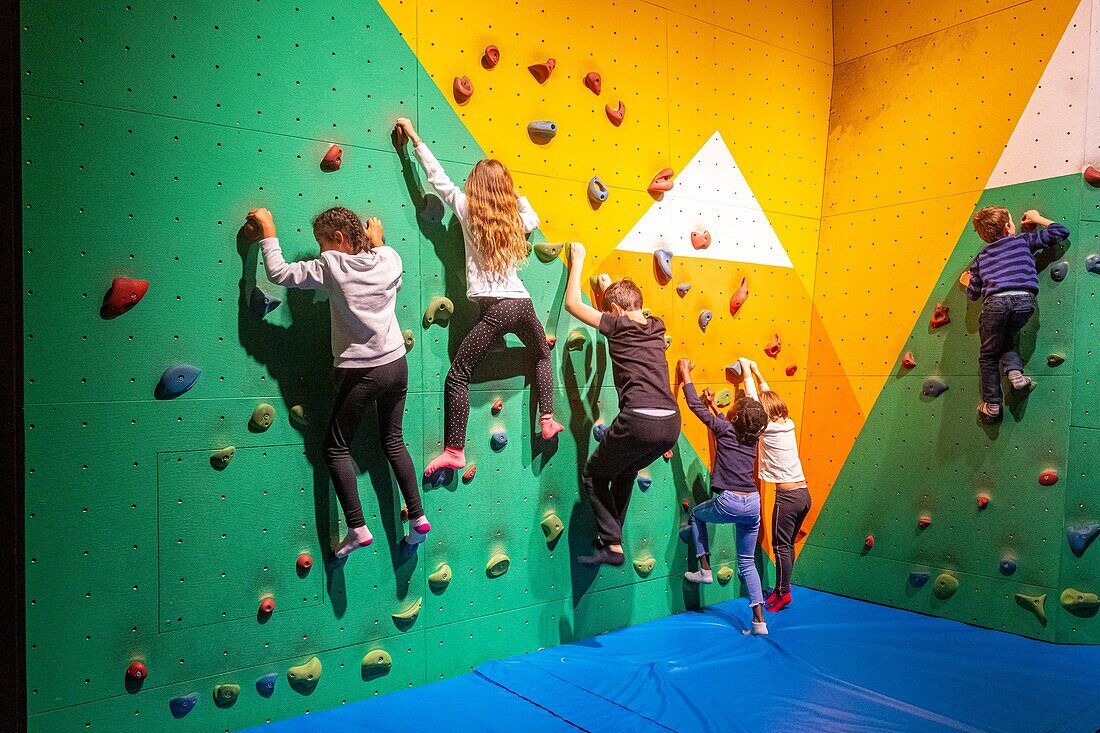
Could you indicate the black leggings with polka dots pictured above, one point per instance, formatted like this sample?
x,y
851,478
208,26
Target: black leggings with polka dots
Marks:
x,y
498,317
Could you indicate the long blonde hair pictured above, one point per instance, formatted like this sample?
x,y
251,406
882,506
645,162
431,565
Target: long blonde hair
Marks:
x,y
494,216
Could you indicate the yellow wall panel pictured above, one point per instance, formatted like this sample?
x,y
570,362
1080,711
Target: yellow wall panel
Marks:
x,y
803,26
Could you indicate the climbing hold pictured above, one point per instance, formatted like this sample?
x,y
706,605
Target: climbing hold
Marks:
x,y
1055,359
407,616
576,340
260,303
441,578
644,567
468,476
983,502
739,297
597,191
908,361
440,308
548,251
1059,270
304,563
463,89
262,417
551,340
924,522
176,380
733,372
332,160
1080,536
498,440
221,458
552,527
773,347
869,542
933,387
594,83
498,405
941,316
542,72
1049,477
123,295
724,574
644,482
298,415
946,585
498,565
542,131
1035,604
226,695
599,430
918,578
490,58
1007,566
700,240
682,289
267,606
137,671
685,505
668,341
617,115
410,339
376,663
704,319
265,686
1079,603
303,678
182,705
1092,263
438,479
1092,176
668,455
663,259
661,183
646,312
724,398
790,370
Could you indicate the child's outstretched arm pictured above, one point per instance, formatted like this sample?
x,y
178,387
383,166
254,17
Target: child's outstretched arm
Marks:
x,y
1051,233
683,372
750,381
307,275
574,305
451,194
759,377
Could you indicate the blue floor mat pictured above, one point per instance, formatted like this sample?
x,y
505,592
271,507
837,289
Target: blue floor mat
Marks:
x,y
830,664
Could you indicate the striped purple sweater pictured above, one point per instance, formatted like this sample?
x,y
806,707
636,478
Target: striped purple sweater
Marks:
x,y
1009,263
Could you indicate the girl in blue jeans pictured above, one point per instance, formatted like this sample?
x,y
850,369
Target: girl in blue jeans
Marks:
x,y
736,500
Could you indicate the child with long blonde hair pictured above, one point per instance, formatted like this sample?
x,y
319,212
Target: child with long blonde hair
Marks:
x,y
495,223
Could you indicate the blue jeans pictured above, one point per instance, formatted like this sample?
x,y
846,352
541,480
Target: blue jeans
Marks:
x,y
730,507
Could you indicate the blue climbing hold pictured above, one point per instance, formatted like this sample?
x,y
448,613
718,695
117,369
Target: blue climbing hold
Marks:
x,y
918,578
1008,566
663,258
1080,536
597,191
682,289
598,431
933,387
1092,264
499,440
176,380
542,131
1059,270
266,684
704,319
260,303
442,477
644,482
182,705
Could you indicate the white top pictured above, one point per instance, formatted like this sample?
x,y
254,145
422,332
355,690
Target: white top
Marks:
x,y
362,292
480,283
779,462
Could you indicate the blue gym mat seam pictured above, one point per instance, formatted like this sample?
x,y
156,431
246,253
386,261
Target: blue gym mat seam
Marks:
x,y
529,701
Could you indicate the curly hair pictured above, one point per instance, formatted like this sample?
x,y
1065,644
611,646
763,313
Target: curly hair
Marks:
x,y
338,218
748,419
494,216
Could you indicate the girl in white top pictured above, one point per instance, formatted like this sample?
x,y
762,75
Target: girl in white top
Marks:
x,y
780,465
495,223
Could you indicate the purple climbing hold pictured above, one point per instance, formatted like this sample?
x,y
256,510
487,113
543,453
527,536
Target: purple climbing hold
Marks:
x,y
266,685
663,260
919,578
704,319
182,705
733,372
1059,270
1092,264
933,387
682,289
176,380
1080,536
261,303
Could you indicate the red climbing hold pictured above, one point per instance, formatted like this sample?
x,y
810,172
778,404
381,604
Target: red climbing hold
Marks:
x,y
924,521
1048,477
791,370
542,72
498,405
490,58
463,89
908,361
739,297
470,473
662,183
332,160
668,455
1092,176
869,542
124,294
305,562
941,317
686,506
615,115
700,240
772,349
267,606
137,670
594,83
983,502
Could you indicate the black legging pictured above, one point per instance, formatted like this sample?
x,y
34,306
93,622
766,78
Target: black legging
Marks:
x,y
498,317
791,508
385,386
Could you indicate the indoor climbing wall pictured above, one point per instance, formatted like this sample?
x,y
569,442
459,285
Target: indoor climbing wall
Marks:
x,y
939,110
178,511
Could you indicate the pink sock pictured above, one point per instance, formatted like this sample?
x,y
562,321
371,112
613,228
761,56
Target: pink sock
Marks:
x,y
550,426
418,530
449,458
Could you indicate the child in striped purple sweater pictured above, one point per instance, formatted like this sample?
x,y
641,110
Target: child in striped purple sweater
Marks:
x,y
1005,276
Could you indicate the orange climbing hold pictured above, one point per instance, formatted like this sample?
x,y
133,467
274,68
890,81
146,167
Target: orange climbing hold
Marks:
x,y
983,502
869,542
924,521
332,160
790,371
686,506
542,72
773,347
1092,176
940,317
498,405
137,670
304,563
700,240
615,115
908,361
267,606
661,184
594,82
463,89
124,294
490,58
470,473
739,297
668,455
1048,477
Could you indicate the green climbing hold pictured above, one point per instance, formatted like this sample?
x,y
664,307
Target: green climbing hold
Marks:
x,y
298,415
724,574
441,578
226,695
262,417
304,677
498,565
376,663
946,585
439,308
576,340
410,340
408,615
1080,603
723,399
548,251
220,459
1056,359
1035,604
552,527
645,566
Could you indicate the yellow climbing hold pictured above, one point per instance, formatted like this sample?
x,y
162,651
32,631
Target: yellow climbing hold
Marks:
x,y
410,340
548,251
945,586
376,663
226,695
1079,602
576,340
298,415
221,458
723,398
441,577
645,566
408,615
304,677
724,574
439,308
1035,604
498,565
552,527
262,417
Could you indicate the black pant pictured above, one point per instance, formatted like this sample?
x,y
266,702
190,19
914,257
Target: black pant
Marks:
x,y
791,508
498,317
632,442
999,328
385,386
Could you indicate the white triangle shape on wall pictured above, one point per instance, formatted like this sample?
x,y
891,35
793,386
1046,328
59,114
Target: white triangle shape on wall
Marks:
x,y
710,194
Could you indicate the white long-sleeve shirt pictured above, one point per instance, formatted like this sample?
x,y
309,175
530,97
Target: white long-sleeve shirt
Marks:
x,y
779,462
480,282
362,292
